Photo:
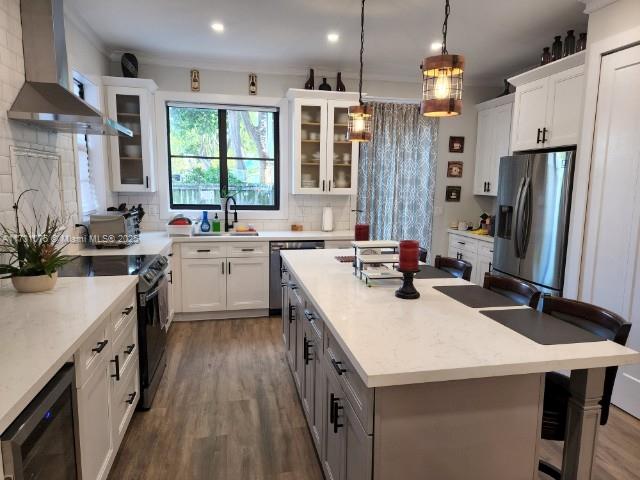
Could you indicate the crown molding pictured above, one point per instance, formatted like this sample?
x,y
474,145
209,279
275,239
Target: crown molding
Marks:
x,y
70,14
591,6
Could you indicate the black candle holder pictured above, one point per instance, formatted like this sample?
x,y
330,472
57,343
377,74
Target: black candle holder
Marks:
x,y
408,291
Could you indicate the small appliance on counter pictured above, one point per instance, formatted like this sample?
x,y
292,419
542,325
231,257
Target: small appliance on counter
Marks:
x,y
327,219
118,227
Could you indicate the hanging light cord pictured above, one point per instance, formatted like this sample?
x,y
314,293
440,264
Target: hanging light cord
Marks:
x,y
445,25
362,51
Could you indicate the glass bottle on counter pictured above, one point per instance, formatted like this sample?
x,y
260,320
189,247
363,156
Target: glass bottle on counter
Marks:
x,y
569,44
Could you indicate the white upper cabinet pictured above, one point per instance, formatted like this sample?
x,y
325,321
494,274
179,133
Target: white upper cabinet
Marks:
x,y
130,101
548,105
493,139
324,161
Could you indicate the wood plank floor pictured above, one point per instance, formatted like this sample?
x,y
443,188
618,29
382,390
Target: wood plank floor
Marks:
x,y
227,410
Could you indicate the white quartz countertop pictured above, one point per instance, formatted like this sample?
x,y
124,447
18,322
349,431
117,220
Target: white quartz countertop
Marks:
x,y
482,238
151,243
391,341
39,332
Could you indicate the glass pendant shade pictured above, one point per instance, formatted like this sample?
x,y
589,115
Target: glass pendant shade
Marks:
x,y
360,123
442,77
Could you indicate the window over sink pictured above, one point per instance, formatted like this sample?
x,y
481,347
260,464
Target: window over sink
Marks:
x,y
218,149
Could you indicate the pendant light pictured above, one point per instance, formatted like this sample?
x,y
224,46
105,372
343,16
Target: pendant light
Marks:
x,y
442,79
360,116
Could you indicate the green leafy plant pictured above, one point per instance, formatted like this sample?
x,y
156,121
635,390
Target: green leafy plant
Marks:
x,y
34,251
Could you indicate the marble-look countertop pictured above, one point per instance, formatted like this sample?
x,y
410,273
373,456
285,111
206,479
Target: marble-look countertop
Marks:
x,y
39,332
434,338
151,243
467,233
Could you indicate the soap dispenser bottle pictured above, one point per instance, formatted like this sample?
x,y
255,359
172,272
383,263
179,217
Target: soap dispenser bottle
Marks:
x,y
204,222
215,223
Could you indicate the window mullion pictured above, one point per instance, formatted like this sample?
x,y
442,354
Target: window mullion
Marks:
x,y
222,142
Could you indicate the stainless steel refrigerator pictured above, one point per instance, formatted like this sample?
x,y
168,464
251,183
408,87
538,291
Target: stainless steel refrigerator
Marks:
x,y
532,218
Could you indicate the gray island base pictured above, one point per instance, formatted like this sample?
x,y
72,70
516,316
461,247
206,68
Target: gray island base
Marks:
x,y
429,388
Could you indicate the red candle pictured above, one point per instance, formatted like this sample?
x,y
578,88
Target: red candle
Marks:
x,y
409,255
362,232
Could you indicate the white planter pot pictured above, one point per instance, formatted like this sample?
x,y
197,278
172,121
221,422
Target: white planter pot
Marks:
x,y
39,283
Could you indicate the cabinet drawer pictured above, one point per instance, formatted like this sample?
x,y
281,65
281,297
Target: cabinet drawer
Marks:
x,y
247,249
485,249
466,244
123,312
316,324
92,352
360,397
125,346
124,398
203,250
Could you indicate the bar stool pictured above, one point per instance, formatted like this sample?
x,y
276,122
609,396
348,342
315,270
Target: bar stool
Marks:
x,y
457,268
600,322
517,290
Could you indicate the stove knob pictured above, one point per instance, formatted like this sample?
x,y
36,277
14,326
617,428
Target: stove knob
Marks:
x,y
148,276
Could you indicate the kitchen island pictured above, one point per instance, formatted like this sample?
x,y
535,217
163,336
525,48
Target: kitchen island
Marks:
x,y
428,388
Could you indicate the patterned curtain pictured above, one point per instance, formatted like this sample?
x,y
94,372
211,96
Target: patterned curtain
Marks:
x,y
396,174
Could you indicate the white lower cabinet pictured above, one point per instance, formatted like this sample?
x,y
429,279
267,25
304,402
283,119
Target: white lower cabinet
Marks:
x,y
94,424
247,283
204,284
108,388
478,252
220,276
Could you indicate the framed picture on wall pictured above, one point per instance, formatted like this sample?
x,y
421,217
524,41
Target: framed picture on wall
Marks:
x,y
456,144
454,169
453,193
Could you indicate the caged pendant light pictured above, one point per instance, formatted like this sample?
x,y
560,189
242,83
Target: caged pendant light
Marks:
x,y
360,116
442,79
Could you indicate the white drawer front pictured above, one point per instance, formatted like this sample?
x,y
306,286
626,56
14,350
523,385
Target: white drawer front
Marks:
x,y
123,312
125,347
203,250
485,250
91,353
248,249
466,244
124,398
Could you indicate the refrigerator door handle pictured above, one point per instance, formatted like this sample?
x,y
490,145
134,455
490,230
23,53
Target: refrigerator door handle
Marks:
x,y
516,229
525,218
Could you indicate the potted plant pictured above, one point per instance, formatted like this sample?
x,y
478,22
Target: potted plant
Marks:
x,y
33,256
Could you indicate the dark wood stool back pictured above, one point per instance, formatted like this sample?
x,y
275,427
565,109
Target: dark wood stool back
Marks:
x,y
456,267
517,290
423,255
598,321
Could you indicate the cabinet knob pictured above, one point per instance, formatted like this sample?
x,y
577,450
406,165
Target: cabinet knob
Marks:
x,y
130,348
100,346
127,310
132,397
337,366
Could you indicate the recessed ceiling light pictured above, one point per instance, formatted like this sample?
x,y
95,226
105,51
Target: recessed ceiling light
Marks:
x,y
217,27
436,46
333,37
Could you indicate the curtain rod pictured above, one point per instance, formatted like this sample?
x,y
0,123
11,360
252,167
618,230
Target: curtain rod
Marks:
x,y
369,98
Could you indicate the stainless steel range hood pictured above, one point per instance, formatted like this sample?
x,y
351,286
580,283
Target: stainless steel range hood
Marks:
x,y
45,100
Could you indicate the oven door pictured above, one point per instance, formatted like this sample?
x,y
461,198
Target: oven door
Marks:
x,y
42,442
152,337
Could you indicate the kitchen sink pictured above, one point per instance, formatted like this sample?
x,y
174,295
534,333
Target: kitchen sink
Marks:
x,y
198,233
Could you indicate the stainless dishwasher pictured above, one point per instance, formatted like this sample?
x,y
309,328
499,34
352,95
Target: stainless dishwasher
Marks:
x,y
275,266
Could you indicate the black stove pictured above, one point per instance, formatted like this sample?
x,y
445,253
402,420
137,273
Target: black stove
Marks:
x,y
152,308
148,267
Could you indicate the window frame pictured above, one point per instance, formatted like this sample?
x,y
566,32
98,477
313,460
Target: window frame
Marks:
x,y
223,156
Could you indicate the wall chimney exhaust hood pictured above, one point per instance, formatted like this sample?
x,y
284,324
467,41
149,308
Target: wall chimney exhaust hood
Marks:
x,y
45,100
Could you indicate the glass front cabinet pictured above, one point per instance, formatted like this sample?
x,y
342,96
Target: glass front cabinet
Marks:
x,y
324,161
130,101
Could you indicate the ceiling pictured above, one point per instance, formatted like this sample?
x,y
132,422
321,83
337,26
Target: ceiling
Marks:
x,y
497,37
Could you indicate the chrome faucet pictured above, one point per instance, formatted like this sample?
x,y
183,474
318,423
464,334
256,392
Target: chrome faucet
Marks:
x,y
228,226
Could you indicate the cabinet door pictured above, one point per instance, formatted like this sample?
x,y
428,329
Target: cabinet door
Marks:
x,y
501,141
204,284
342,155
170,291
309,142
333,448
286,307
484,144
483,265
94,424
132,158
292,333
358,446
564,107
247,283
529,115
312,358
